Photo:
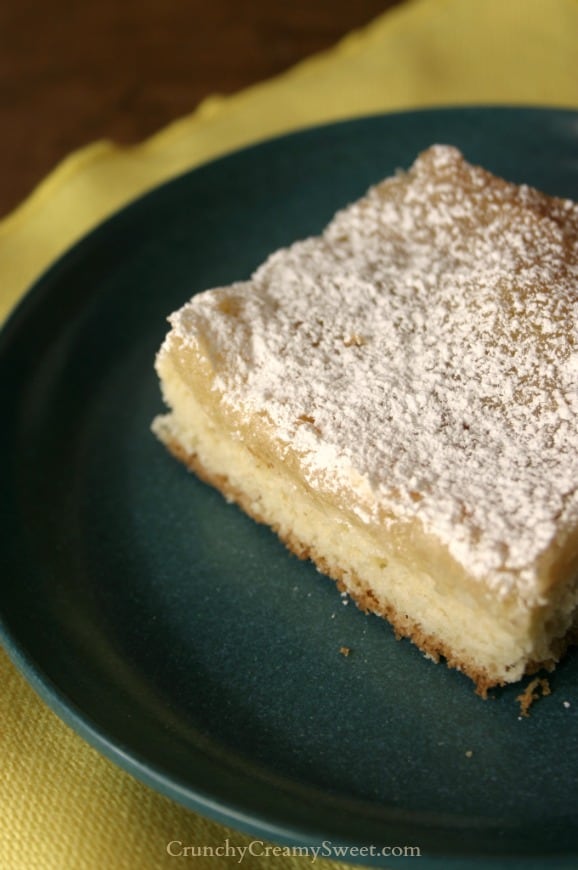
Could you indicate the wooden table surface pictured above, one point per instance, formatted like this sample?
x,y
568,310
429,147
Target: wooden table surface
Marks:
x,y
73,71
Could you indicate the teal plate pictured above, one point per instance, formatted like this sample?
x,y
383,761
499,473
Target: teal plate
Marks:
x,y
180,638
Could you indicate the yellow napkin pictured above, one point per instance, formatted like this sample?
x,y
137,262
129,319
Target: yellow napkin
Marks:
x,y
62,805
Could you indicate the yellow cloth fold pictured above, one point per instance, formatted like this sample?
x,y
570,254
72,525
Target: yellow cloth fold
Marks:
x,y
62,805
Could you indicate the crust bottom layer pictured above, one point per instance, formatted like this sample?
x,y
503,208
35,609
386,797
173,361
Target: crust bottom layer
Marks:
x,y
358,589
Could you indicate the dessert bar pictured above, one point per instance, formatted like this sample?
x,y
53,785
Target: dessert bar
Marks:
x,y
397,398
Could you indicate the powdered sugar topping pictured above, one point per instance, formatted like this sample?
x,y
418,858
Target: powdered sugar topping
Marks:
x,y
424,351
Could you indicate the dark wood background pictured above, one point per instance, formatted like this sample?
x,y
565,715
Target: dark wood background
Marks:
x,y
73,71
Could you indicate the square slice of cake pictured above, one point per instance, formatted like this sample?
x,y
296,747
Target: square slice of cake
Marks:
x,y
398,399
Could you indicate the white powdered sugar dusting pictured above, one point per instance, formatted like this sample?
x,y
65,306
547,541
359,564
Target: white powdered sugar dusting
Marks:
x,y
423,351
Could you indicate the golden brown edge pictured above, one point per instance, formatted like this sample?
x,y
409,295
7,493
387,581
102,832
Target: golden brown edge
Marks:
x,y
363,597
